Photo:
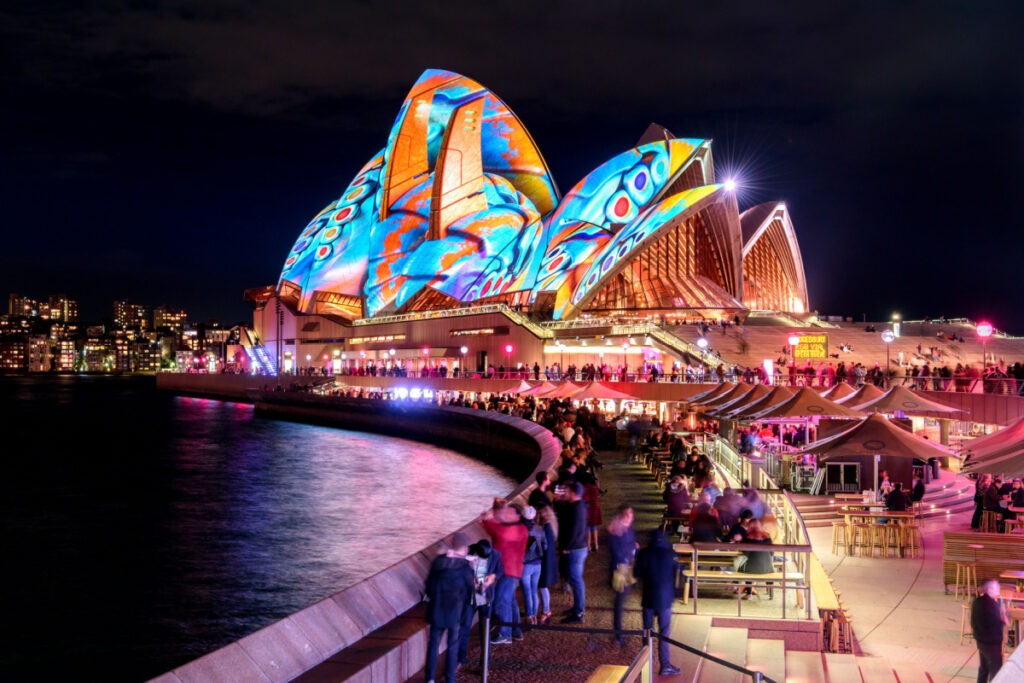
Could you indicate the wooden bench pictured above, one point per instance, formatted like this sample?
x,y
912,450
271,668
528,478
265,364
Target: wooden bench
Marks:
x,y
827,602
608,673
735,579
1001,552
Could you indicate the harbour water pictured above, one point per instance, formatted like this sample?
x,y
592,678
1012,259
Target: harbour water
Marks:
x,y
142,529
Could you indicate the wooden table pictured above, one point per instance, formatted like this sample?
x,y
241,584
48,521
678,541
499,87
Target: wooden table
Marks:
x,y
1016,575
850,515
862,506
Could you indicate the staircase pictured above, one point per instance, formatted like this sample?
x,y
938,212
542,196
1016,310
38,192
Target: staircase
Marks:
x,y
759,339
257,353
947,495
770,657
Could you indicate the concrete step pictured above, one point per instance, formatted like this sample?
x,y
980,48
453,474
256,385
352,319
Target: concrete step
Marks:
x,y
692,630
841,668
729,644
804,667
768,657
876,669
905,675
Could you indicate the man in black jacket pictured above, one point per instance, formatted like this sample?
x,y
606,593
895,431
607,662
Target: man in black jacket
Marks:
x,y
487,568
987,621
917,493
656,568
449,589
572,543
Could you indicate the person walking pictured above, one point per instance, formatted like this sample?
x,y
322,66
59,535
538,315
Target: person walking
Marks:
x,y
572,539
987,621
623,546
449,589
656,568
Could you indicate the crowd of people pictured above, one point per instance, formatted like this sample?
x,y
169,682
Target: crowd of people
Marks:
x,y
995,494
531,548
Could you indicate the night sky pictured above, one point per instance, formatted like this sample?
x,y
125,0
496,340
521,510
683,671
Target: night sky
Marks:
x,y
172,152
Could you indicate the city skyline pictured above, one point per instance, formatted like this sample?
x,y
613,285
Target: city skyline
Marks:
x,y
187,172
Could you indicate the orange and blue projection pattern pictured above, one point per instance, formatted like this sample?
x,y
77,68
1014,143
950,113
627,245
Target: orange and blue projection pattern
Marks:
x,y
461,201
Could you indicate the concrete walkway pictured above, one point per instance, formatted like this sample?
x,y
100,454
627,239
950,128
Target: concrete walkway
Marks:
x,y
900,610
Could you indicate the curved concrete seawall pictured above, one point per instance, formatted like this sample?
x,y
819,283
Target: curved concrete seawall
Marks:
x,y
370,631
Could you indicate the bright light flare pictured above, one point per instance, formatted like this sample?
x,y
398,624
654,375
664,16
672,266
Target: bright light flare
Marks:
x,y
730,184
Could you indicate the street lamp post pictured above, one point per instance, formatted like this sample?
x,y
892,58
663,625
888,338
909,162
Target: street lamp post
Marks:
x,y
508,358
625,349
887,337
984,331
462,363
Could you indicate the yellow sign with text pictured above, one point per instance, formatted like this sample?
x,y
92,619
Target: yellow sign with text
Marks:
x,y
811,347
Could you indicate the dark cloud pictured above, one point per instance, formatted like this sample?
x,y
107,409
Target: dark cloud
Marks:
x,y
894,130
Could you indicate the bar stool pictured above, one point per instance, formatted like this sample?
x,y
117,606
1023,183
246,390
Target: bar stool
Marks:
x,y
918,506
1016,616
878,539
839,537
862,538
965,623
892,538
967,579
990,522
911,537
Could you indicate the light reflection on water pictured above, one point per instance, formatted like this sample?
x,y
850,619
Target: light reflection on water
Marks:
x,y
177,525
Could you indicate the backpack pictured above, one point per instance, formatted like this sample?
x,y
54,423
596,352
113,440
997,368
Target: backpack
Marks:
x,y
534,545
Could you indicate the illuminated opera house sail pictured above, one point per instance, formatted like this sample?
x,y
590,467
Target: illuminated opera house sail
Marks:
x,y
459,208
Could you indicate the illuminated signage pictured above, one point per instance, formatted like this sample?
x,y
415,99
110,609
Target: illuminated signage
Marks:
x,y
811,347
376,340
479,331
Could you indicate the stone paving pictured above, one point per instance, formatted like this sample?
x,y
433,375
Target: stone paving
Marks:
x,y
900,609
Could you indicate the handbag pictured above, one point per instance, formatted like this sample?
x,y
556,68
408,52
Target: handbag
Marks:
x,y
622,577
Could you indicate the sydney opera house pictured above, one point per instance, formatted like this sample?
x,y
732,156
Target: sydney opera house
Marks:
x,y
454,246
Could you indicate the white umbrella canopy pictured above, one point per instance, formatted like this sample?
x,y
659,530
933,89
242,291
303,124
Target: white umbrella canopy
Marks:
x,y
738,391
838,391
565,390
710,393
598,390
758,392
876,435
997,441
779,394
807,403
1006,462
541,388
901,399
520,388
868,392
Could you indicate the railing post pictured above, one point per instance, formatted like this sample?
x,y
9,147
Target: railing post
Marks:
x,y
758,677
650,657
487,647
